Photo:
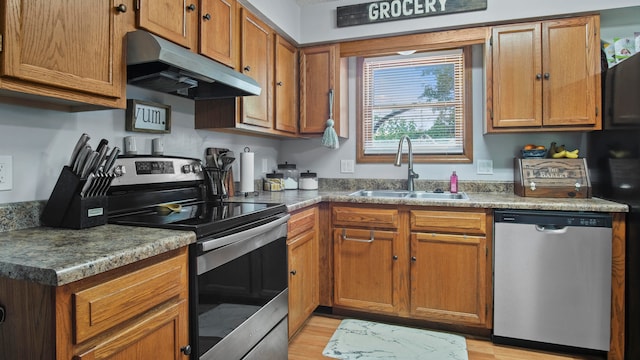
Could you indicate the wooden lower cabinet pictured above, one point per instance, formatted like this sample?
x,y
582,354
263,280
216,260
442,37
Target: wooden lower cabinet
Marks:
x,y
303,259
365,269
431,264
448,275
138,311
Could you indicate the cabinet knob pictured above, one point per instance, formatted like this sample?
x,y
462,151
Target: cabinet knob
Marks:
x,y
247,68
191,7
279,83
122,8
546,76
2,314
186,349
413,259
395,257
538,76
293,272
206,16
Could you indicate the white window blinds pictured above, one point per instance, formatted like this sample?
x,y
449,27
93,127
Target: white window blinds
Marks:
x,y
420,96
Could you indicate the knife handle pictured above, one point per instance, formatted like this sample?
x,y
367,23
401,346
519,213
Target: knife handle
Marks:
x,y
111,160
84,138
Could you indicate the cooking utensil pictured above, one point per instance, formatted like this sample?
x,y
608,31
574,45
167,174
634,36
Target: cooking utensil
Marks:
x,y
166,209
88,164
88,185
80,160
82,141
111,160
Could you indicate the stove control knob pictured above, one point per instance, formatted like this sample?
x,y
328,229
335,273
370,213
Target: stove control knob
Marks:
x,y
119,170
186,169
197,168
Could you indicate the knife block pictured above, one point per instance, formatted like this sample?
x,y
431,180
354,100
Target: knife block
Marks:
x,y
67,209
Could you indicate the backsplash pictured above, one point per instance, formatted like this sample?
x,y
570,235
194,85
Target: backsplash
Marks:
x,y
23,215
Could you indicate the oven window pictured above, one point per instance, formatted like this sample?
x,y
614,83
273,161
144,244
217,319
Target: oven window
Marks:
x,y
231,293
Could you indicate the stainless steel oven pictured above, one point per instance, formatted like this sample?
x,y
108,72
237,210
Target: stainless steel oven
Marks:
x,y
238,266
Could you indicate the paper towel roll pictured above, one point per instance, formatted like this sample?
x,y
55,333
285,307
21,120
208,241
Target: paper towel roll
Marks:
x,y
246,172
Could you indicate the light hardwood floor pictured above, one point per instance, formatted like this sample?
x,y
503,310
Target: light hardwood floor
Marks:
x,y
312,338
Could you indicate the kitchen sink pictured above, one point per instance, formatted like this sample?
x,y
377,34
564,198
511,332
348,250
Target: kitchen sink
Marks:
x,y
381,193
424,195
438,195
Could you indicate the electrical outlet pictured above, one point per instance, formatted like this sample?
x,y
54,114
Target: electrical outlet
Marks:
x,y
6,172
347,166
265,165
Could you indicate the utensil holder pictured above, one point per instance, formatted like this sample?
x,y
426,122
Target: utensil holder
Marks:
x,y
67,209
216,189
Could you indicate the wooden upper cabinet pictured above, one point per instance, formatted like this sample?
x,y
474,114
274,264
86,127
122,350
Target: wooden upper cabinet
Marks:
x,y
286,86
546,75
320,73
174,20
217,24
70,50
256,59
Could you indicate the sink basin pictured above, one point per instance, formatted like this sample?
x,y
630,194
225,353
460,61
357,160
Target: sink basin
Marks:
x,y
438,195
381,193
425,195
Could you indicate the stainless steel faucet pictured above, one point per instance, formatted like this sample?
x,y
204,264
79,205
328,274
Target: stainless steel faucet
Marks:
x,y
410,173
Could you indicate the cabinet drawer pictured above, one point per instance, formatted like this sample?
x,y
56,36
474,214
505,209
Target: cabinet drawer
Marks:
x,y
301,222
449,222
111,303
354,216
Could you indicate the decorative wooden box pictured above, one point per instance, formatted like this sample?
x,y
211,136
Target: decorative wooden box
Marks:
x,y
552,178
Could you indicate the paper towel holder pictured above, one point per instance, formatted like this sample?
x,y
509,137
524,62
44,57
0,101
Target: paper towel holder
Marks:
x,y
247,185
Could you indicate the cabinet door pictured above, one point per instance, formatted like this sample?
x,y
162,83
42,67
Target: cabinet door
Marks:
x,y
303,278
160,337
216,30
174,20
571,64
448,278
319,74
257,55
517,76
286,89
75,44
365,269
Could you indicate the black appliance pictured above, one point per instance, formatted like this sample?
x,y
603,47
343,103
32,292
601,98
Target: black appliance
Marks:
x,y
614,159
238,266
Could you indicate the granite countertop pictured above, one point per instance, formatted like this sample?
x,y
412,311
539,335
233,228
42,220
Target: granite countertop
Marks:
x,y
54,256
299,199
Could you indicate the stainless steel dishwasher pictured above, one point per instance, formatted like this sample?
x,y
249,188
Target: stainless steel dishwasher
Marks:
x,y
552,279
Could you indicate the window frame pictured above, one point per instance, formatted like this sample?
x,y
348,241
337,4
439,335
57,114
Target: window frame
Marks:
x,y
465,157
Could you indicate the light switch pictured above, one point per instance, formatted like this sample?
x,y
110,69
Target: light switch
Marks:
x,y
485,167
347,166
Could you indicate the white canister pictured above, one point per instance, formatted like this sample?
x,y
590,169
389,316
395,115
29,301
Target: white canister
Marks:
x,y
308,181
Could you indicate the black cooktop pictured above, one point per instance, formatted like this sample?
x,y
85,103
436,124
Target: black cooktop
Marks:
x,y
206,219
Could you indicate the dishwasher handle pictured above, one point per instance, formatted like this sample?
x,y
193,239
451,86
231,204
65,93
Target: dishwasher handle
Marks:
x,y
552,229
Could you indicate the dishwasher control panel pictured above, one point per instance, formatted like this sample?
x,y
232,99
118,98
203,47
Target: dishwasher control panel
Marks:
x,y
558,218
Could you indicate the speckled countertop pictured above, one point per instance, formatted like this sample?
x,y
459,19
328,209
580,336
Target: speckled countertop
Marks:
x,y
52,256
298,199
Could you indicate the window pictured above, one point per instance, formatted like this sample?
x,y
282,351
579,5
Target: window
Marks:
x,y
422,95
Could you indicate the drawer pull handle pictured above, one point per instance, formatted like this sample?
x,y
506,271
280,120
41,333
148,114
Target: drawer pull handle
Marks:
x,y
2,314
344,237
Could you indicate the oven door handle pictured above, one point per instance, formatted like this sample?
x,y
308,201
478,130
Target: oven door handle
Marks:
x,y
216,243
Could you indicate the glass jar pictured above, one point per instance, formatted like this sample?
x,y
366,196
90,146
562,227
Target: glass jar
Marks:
x,y
273,182
290,175
308,181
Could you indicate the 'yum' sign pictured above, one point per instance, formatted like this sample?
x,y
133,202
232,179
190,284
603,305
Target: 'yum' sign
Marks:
x,y
390,10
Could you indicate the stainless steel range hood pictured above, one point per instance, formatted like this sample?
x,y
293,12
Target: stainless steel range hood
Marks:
x,y
157,64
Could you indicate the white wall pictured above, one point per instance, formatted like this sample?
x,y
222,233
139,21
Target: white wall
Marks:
x,y
40,141
501,148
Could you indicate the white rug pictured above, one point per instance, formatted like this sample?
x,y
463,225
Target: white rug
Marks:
x,y
365,340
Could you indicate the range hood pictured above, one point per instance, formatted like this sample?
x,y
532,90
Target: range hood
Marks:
x,y
157,64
